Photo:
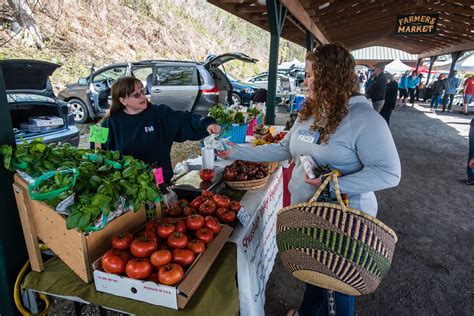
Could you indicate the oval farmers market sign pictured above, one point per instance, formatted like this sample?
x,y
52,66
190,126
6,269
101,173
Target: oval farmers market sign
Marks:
x,y
416,24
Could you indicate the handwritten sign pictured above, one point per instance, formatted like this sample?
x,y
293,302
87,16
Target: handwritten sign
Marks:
x,y
416,24
243,216
98,134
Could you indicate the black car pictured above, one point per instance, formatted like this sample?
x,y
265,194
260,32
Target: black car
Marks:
x,y
35,110
183,85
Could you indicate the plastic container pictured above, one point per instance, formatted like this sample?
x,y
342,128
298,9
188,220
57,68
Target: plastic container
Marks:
x,y
227,130
238,133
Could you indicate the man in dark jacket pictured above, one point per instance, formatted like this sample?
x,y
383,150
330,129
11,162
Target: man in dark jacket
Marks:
x,y
390,97
376,89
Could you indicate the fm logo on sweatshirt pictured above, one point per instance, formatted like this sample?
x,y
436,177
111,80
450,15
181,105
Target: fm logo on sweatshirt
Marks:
x,y
149,129
308,136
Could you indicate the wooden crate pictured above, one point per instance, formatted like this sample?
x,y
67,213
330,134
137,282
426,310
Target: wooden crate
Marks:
x,y
78,250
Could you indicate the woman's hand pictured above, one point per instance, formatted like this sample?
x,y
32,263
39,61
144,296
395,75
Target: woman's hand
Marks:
x,y
314,182
213,129
224,154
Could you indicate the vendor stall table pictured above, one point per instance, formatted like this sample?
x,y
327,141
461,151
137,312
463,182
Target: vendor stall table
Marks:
x,y
252,260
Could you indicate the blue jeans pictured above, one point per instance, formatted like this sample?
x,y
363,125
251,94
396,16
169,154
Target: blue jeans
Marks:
x,y
435,99
315,302
470,171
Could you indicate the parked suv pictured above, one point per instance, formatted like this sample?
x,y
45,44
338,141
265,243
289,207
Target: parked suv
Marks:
x,y
183,85
35,110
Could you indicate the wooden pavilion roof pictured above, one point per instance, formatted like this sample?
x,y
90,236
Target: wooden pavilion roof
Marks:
x,y
363,23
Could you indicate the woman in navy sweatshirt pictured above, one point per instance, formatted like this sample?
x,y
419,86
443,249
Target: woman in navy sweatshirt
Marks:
x,y
147,131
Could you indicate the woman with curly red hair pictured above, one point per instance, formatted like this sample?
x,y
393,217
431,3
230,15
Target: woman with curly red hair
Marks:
x,y
341,131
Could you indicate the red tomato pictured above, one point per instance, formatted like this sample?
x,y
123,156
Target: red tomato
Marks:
x,y
177,240
196,202
221,200
212,223
206,174
164,230
205,235
189,211
170,274
122,241
183,203
206,195
150,233
143,247
207,208
167,220
180,226
225,216
139,268
114,261
194,222
174,211
151,224
183,257
197,246
234,206
160,258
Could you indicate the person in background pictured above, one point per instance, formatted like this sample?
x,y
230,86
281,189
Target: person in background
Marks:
x,y
390,97
419,87
402,89
470,159
452,83
437,89
376,89
468,94
412,82
339,129
147,131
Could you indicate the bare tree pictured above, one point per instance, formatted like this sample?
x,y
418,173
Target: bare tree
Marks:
x,y
23,15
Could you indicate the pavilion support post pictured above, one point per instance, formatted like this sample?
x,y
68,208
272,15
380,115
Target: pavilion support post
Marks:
x,y
418,64
12,243
454,58
276,18
309,41
432,61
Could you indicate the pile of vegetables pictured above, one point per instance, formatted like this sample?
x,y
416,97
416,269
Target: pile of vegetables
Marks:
x,y
232,115
104,177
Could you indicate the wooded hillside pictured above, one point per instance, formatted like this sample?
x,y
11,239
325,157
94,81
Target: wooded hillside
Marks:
x,y
80,33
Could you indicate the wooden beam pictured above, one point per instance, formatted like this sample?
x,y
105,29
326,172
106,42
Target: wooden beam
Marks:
x,y
362,12
297,10
447,50
335,7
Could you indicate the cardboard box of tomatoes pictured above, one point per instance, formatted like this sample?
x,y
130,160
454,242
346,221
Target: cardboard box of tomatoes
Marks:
x,y
165,262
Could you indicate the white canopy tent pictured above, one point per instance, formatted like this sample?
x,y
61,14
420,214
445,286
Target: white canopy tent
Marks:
x,y
465,63
288,64
397,66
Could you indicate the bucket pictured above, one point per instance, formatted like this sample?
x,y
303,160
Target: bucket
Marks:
x,y
238,133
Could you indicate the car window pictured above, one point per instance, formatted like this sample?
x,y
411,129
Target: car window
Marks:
x,y
141,72
111,73
176,76
262,78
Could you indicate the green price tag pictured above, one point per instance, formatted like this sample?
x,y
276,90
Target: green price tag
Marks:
x,y
98,134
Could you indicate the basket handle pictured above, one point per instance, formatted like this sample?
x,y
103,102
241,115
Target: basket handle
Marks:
x,y
330,176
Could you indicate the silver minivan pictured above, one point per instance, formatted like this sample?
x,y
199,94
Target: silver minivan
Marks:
x,y
182,85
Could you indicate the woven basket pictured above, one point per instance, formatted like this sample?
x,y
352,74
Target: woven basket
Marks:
x,y
272,166
248,185
334,247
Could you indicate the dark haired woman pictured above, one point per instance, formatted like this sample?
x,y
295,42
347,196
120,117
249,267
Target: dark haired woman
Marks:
x,y
341,130
147,131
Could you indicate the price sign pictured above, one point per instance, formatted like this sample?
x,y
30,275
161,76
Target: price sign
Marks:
x,y
98,134
243,216
158,172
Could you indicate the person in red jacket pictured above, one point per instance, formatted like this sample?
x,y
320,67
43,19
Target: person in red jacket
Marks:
x,y
468,94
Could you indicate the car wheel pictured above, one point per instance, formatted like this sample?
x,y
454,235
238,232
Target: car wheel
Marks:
x,y
236,99
81,113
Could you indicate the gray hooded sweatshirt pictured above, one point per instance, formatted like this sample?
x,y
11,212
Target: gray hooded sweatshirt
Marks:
x,y
362,149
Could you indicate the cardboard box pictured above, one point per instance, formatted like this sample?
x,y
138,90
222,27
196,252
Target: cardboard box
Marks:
x,y
78,250
41,121
158,294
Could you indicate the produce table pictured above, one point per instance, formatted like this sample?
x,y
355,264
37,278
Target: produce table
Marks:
x,y
251,258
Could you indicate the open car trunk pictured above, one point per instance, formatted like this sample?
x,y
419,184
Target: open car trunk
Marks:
x,y
31,119
223,84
